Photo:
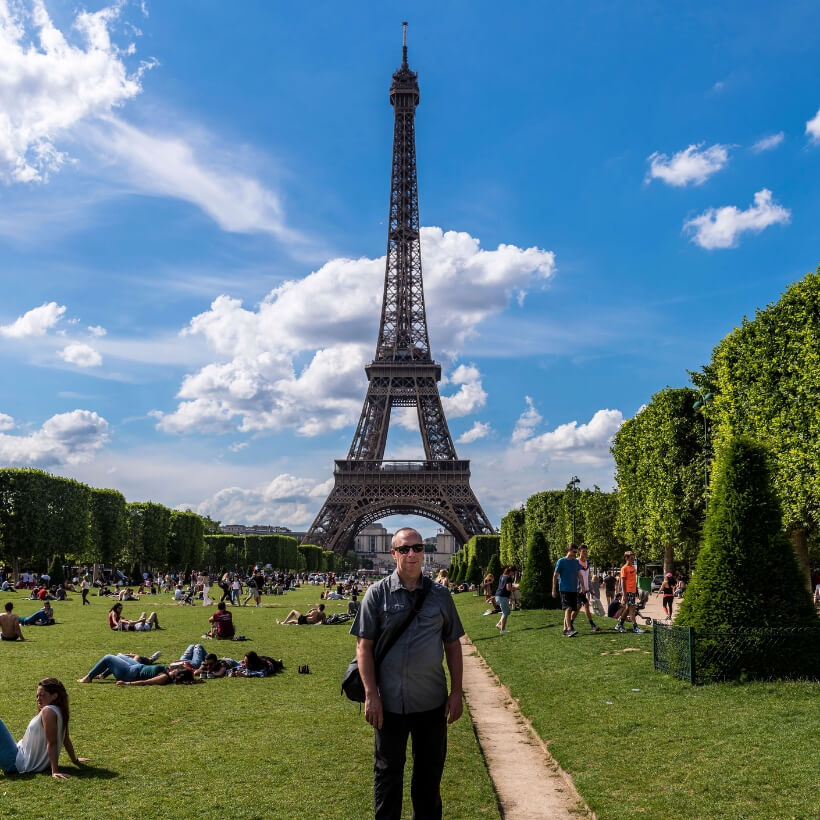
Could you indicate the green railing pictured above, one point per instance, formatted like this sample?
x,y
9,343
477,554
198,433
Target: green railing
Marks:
x,y
736,654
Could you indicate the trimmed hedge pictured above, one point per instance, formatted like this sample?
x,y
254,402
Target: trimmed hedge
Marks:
x,y
536,582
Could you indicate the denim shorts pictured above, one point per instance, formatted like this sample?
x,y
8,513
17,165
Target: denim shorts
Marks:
x,y
504,602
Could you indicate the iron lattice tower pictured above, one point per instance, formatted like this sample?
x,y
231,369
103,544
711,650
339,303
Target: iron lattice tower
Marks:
x,y
402,374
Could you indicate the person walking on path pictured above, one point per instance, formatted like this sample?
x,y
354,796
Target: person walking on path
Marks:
x,y
84,587
407,693
609,588
667,590
255,587
567,580
584,589
502,597
629,588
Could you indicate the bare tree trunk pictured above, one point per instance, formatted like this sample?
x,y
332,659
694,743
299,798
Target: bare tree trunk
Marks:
x,y
800,545
668,559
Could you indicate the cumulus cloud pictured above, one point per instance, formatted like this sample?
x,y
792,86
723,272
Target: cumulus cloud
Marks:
x,y
6,421
813,128
692,165
722,227
51,84
580,443
255,385
477,431
36,322
81,355
67,438
768,143
526,424
287,500
470,396
97,330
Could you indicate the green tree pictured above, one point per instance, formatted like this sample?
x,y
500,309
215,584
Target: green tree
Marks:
x,y
186,539
473,573
513,537
599,511
765,376
659,470
536,582
109,526
747,575
56,570
494,568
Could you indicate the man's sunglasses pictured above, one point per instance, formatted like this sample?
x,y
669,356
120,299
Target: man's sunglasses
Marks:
x,y
414,547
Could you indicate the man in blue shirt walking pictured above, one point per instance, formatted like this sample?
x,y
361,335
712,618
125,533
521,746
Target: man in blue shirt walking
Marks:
x,y
567,579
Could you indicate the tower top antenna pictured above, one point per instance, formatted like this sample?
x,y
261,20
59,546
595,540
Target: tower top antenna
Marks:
x,y
404,44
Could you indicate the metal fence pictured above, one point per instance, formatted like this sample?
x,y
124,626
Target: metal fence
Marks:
x,y
736,654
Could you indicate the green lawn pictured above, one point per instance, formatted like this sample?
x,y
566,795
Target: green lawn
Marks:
x,y
638,742
283,747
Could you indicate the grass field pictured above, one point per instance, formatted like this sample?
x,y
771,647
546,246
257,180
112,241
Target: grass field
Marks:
x,y
283,747
638,742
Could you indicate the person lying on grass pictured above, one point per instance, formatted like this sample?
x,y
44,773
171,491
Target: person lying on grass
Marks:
x,y
142,624
313,616
130,671
256,666
47,733
43,617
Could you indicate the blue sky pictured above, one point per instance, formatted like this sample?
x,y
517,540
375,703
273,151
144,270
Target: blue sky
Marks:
x,y
192,225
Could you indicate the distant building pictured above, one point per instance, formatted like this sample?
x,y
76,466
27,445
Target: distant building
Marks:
x,y
260,529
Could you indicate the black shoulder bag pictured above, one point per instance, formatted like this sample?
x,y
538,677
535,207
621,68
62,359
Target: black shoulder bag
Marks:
x,y
352,684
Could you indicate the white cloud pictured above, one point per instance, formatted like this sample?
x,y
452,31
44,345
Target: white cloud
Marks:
x,y
583,444
50,84
67,438
6,422
470,396
477,431
768,143
287,501
97,330
691,165
813,127
721,227
526,424
189,168
255,384
81,355
238,445
35,322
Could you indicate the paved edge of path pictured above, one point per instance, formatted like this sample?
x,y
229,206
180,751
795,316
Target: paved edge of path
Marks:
x,y
528,782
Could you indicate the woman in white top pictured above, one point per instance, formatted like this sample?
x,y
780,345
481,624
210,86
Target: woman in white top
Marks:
x,y
47,733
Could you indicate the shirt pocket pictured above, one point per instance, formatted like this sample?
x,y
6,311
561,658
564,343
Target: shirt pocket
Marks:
x,y
391,615
430,621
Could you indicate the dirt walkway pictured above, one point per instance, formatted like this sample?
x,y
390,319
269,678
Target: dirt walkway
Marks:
x,y
529,783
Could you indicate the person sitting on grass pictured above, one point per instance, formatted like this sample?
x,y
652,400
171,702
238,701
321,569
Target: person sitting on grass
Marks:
x,y
10,625
46,734
142,624
256,666
129,670
313,616
615,606
43,617
127,594
222,621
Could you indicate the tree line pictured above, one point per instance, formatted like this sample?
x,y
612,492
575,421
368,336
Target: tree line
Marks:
x,y
763,382
47,519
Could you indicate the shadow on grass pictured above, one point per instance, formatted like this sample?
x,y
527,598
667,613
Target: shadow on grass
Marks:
x,y
523,629
86,772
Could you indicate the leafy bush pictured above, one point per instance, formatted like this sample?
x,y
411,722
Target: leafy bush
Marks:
x,y
56,570
536,582
747,575
473,574
494,568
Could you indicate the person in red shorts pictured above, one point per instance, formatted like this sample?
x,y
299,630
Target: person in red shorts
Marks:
x,y
222,621
629,590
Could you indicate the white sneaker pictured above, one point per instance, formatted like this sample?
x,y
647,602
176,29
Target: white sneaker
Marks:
x,y
505,631
154,656
638,631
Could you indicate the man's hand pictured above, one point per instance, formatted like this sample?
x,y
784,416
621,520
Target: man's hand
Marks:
x,y
453,707
373,712
59,776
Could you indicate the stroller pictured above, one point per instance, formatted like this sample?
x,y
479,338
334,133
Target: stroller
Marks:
x,y
640,603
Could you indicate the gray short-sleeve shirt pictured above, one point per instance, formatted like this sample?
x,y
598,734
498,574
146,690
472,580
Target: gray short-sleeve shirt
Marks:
x,y
411,678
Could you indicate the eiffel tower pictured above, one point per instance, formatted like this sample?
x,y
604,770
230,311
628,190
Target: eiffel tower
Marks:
x,y
402,374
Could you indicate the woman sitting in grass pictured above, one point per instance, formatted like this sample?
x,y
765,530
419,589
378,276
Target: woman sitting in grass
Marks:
x,y
129,670
47,733
142,624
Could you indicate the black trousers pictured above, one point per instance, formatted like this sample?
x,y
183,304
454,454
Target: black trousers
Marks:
x,y
428,731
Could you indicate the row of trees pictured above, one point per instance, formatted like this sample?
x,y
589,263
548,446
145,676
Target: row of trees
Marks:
x,y
47,520
563,516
